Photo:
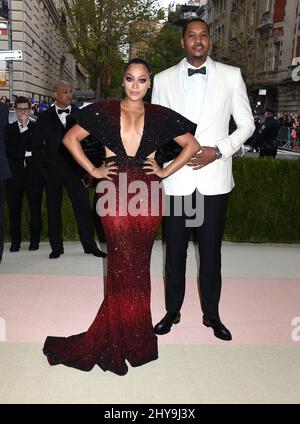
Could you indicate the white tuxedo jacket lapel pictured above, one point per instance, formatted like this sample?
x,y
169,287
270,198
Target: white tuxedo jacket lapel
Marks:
x,y
173,93
211,101
177,89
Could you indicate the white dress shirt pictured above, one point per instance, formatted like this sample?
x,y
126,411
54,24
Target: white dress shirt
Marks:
x,y
23,129
62,116
195,89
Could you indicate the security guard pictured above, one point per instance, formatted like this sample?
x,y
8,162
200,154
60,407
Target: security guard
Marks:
x,y
267,134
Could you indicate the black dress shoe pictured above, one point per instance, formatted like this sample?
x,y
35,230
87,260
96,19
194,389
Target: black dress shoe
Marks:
x,y
220,330
33,246
96,252
14,248
164,326
56,253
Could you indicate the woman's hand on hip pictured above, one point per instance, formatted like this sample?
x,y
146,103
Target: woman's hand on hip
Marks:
x,y
152,166
105,171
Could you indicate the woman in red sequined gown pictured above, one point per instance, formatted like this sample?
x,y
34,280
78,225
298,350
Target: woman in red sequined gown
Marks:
x,y
131,132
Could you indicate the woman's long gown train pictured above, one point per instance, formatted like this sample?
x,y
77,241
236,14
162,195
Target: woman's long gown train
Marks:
x,y
122,328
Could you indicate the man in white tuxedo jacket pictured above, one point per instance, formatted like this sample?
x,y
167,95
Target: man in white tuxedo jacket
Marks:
x,y
208,93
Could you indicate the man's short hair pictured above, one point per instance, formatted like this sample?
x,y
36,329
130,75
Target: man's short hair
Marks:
x,y
59,83
22,99
270,110
184,28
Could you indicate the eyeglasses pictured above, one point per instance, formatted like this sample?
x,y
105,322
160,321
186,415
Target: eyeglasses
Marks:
x,y
25,109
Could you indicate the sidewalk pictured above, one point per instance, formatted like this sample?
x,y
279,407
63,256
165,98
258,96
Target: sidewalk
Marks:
x,y
246,260
260,297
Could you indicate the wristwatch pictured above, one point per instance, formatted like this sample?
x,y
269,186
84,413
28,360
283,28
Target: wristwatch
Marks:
x,y
218,153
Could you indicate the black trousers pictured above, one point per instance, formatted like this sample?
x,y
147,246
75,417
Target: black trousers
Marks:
x,y
210,235
79,197
32,185
267,152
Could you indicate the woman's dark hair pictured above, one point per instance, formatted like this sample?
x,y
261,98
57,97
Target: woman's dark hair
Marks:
x,y
138,61
194,20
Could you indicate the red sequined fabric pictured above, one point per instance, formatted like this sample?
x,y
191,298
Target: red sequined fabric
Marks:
x,y
122,329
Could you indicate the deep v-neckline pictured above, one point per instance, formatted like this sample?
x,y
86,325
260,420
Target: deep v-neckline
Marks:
x,y
142,132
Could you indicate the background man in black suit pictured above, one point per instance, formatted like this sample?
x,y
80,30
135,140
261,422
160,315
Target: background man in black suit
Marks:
x,y
4,168
267,134
60,170
25,177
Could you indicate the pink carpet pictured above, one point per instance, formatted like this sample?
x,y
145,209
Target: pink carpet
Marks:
x,y
257,311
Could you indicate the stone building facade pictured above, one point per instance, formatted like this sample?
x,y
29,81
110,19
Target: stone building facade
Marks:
x,y
268,57
46,53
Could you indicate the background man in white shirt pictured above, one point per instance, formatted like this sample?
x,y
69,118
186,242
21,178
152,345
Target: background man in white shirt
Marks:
x,y
208,93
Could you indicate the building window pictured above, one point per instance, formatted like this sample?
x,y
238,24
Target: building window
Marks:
x,y
276,56
269,5
253,14
219,34
220,6
222,33
265,51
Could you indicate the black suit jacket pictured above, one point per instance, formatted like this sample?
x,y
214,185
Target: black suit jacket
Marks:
x,y
4,166
267,135
16,145
49,153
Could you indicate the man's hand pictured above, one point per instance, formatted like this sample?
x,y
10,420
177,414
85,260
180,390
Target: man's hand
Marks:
x,y
203,158
24,121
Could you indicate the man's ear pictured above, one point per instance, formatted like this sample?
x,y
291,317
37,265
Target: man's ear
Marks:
x,y
182,44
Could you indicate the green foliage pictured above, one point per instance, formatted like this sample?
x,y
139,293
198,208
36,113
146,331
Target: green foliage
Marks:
x,y
164,50
264,206
160,14
101,32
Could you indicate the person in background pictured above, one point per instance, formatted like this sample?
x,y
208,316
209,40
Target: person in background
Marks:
x,y
267,134
4,100
26,178
253,142
5,172
61,171
43,106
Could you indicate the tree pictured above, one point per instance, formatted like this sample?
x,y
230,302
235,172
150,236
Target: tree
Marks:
x,y
241,48
164,49
100,31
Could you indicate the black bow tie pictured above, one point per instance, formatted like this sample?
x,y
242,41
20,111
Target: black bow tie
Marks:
x,y
192,71
59,111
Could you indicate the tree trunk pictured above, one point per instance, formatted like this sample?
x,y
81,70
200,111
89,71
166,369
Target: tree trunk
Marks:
x,y
99,72
98,87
